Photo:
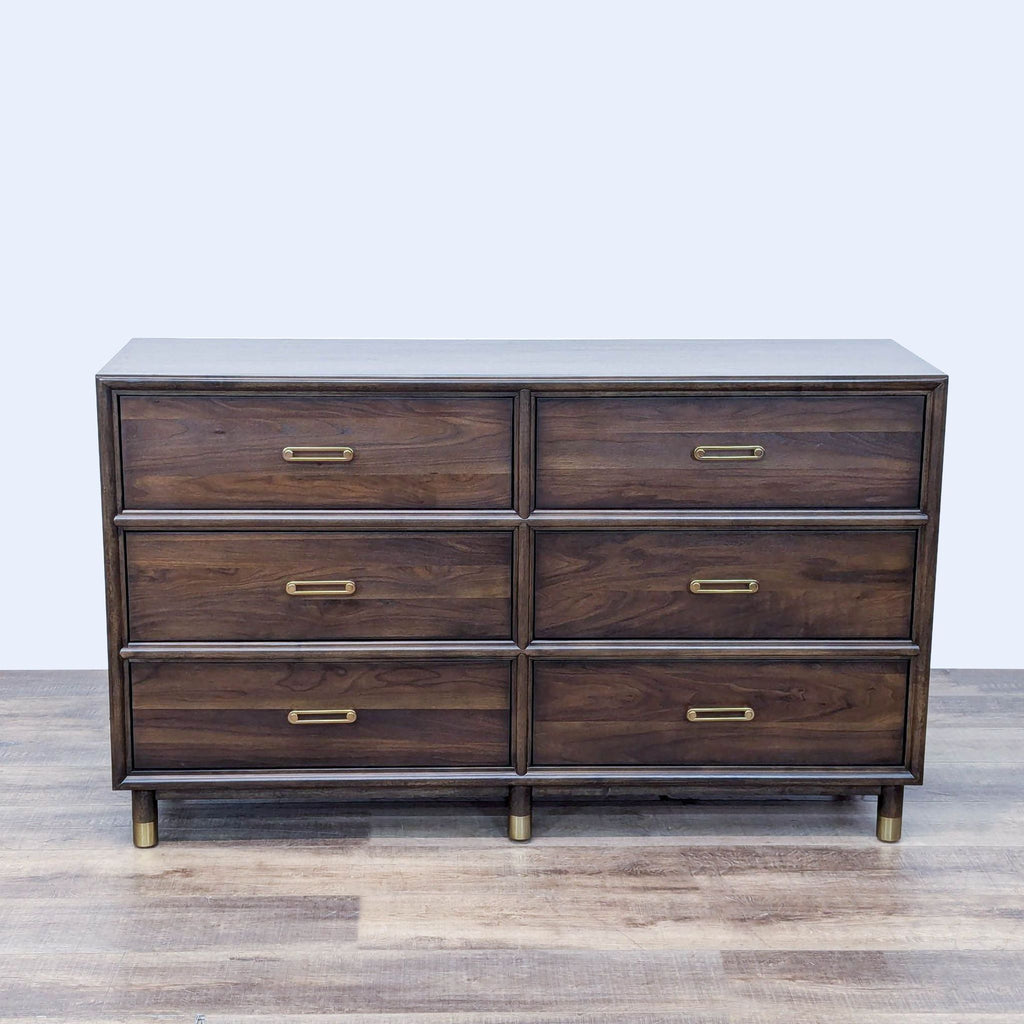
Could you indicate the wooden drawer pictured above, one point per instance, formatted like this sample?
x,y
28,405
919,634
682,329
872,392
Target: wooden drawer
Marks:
x,y
635,712
809,584
234,586
859,451
431,713
205,452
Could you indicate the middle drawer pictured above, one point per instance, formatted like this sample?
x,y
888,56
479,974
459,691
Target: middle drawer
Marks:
x,y
245,586
725,584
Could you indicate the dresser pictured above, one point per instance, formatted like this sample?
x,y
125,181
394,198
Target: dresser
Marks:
x,y
701,566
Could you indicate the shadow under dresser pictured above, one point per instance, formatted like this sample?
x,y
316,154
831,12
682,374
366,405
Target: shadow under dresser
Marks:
x,y
525,564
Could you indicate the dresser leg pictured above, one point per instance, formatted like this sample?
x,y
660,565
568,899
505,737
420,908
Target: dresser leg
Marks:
x,y
890,814
144,829
520,817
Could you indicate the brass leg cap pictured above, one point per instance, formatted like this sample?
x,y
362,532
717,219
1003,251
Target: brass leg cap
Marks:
x,y
144,834
519,826
889,829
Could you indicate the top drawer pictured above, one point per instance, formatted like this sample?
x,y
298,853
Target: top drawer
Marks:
x,y
225,452
858,451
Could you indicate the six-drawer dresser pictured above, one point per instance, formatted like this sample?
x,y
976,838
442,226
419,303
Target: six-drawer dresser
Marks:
x,y
524,564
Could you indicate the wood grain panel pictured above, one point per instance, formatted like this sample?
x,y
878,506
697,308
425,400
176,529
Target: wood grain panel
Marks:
x,y
858,451
635,584
231,586
634,712
218,451
409,714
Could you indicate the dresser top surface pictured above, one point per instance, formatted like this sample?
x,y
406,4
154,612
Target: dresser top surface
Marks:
x,y
467,359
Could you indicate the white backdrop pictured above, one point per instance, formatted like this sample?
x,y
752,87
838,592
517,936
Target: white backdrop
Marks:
x,y
481,169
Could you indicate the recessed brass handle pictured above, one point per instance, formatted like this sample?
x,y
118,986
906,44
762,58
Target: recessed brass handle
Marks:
x,y
320,588
724,586
727,452
318,454
719,714
344,716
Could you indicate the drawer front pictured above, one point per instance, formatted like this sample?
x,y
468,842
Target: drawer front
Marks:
x,y
359,714
200,452
785,584
746,713
235,586
794,452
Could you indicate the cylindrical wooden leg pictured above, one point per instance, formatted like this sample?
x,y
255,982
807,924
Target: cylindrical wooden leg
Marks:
x,y
890,814
520,802
144,830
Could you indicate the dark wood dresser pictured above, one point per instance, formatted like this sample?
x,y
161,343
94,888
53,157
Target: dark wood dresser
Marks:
x,y
522,564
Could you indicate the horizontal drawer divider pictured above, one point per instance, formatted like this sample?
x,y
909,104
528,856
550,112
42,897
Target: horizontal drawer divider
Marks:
x,y
213,519
284,778
777,779
157,519
316,651
831,519
625,649
739,777
759,649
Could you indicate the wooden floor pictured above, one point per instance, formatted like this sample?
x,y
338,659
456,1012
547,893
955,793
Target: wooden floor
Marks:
x,y
639,912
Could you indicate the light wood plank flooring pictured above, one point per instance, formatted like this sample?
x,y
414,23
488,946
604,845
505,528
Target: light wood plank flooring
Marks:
x,y
653,911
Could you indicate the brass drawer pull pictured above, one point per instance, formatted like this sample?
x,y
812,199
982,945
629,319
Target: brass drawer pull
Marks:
x,y
719,714
732,452
724,586
320,588
346,716
318,454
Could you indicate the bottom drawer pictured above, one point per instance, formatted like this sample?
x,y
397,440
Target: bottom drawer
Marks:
x,y
264,715
719,712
